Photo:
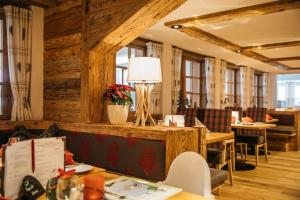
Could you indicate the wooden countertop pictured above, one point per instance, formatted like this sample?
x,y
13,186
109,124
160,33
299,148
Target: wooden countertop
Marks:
x,y
128,130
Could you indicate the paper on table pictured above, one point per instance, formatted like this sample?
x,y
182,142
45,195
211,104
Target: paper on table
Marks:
x,y
136,189
49,156
17,163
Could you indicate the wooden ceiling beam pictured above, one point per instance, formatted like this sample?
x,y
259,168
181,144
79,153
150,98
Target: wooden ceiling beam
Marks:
x,y
250,11
286,58
39,3
208,37
272,46
200,34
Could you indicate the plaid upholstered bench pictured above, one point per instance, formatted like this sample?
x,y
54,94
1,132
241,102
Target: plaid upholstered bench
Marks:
x,y
285,135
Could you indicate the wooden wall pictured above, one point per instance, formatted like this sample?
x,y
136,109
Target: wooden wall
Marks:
x,y
62,61
81,39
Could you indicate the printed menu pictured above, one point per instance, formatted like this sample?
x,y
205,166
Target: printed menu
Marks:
x,y
36,157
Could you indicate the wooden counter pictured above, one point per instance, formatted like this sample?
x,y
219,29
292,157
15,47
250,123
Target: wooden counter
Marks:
x,y
177,139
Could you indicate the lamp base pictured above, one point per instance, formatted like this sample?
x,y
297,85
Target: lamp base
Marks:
x,y
143,116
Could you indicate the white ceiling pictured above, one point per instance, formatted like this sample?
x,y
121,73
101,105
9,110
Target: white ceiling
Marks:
x,y
271,28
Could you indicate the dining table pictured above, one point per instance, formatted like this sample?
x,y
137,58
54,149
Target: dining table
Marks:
x,y
112,175
239,164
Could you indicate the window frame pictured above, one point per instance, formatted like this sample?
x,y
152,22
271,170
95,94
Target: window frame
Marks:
x,y
6,95
235,70
192,57
258,87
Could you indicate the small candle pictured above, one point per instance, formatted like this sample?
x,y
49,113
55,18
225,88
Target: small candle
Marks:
x,y
93,187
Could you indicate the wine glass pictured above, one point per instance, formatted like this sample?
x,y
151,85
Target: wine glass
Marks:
x,y
69,188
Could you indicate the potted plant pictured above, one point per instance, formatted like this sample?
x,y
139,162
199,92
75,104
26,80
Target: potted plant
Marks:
x,y
118,99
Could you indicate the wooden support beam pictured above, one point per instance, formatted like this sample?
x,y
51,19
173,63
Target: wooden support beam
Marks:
x,y
250,11
39,3
286,58
208,37
272,46
108,26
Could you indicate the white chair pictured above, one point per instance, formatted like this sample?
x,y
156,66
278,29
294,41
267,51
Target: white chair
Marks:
x,y
190,172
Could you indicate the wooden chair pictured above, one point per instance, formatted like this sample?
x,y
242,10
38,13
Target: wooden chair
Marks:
x,y
256,138
219,154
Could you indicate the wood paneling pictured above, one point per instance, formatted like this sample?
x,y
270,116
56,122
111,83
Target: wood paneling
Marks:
x,y
81,39
63,23
107,27
62,61
245,12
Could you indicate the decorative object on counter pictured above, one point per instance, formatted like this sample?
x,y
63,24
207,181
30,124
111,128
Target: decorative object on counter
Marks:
x,y
93,187
183,101
119,100
174,120
145,72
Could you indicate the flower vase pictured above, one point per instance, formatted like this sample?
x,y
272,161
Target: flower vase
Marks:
x,y
117,114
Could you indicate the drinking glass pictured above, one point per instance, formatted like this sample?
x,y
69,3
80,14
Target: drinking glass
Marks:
x,y
69,188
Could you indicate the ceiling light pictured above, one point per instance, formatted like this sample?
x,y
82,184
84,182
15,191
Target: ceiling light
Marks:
x,y
176,26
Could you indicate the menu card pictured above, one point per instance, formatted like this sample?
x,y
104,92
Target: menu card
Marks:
x,y
136,189
36,157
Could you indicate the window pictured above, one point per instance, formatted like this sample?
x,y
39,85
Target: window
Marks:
x,y
191,79
288,90
5,91
232,83
258,90
122,59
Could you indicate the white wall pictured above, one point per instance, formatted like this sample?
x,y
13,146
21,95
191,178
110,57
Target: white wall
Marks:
x,y
36,96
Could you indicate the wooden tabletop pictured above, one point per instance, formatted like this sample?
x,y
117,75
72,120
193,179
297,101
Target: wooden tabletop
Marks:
x,y
253,126
109,175
218,137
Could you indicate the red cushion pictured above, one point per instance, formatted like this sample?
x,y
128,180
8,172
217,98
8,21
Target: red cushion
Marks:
x,y
69,158
247,120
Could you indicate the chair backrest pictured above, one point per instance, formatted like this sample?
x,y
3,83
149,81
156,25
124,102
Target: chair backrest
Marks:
x,y
238,109
257,114
218,120
190,172
189,115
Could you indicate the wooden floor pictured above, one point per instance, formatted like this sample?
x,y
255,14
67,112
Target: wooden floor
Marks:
x,y
279,179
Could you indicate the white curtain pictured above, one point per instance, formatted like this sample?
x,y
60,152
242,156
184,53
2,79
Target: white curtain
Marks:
x,y
265,91
18,25
243,87
223,80
176,69
253,98
155,50
210,81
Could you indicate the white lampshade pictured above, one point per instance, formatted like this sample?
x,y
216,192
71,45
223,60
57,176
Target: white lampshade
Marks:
x,y
144,70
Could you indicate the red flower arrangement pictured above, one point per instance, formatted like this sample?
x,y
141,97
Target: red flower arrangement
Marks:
x,y
118,94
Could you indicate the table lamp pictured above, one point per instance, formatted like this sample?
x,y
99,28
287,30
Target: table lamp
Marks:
x,y
144,72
